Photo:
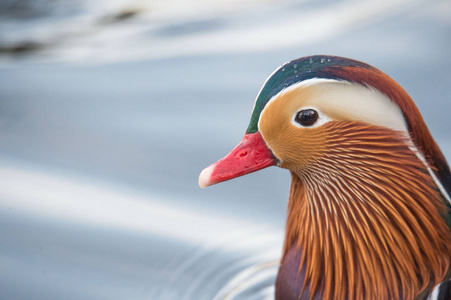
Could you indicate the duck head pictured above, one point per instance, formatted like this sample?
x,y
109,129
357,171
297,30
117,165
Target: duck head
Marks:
x,y
300,106
367,211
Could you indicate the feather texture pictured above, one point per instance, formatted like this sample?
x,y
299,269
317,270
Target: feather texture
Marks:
x,y
368,217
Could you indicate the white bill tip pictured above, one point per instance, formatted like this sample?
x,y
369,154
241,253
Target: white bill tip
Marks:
x,y
204,177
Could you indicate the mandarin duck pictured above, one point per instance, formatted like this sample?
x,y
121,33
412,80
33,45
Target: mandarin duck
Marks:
x,y
369,202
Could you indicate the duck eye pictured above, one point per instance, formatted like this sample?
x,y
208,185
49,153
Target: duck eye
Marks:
x,y
306,117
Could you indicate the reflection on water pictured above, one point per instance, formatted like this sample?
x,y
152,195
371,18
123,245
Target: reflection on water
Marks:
x,y
79,234
255,282
99,162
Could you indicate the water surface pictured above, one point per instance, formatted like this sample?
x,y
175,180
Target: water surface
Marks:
x,y
104,131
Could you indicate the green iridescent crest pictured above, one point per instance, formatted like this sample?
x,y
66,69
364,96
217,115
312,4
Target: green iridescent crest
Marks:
x,y
294,72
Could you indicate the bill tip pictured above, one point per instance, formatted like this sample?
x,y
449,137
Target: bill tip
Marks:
x,y
204,177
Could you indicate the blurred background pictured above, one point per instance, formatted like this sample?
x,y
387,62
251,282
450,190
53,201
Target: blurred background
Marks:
x,y
109,110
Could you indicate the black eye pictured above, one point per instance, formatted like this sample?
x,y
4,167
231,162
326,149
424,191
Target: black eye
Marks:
x,y
307,117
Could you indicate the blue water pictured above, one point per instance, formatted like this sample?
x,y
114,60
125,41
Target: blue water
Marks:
x,y
99,158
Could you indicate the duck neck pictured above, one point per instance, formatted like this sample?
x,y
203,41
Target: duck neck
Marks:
x,y
367,223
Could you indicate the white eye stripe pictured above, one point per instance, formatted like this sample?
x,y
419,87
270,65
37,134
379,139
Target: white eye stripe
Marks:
x,y
322,118
350,101
305,83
